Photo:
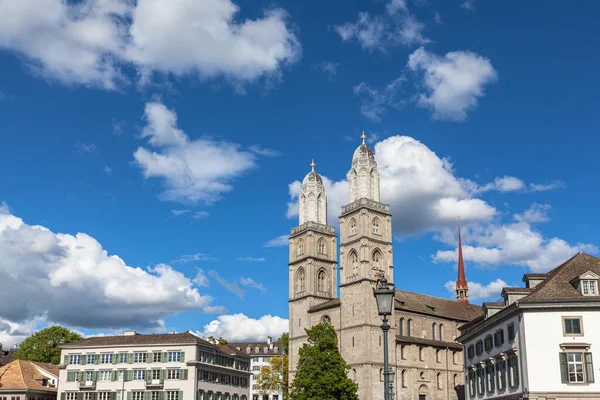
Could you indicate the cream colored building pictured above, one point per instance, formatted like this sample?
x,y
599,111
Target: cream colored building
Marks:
x,y
427,362
177,366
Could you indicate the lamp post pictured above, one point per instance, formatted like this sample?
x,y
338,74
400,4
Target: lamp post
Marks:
x,y
384,295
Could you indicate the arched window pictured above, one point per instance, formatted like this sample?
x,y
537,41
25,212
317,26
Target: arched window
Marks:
x,y
403,379
321,246
408,327
381,374
401,327
441,332
321,281
326,320
439,380
352,226
454,380
376,258
376,225
300,247
433,329
301,281
354,261
420,353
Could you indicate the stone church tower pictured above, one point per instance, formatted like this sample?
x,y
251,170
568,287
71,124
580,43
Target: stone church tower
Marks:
x,y
426,361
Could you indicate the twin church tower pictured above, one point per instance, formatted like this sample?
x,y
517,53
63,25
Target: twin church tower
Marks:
x,y
365,255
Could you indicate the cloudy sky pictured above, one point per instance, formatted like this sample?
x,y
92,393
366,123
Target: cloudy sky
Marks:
x,y
151,151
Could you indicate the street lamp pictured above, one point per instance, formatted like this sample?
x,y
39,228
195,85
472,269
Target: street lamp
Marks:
x,y
384,295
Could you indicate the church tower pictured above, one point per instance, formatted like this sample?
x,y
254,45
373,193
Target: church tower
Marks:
x,y
313,260
365,255
461,288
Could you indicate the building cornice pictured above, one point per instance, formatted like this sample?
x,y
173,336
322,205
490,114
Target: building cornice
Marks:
x,y
359,238
309,257
358,281
313,226
365,203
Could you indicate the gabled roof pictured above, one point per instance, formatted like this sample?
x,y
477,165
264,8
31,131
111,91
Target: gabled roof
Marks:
x,y
556,286
137,339
430,305
326,305
21,375
428,342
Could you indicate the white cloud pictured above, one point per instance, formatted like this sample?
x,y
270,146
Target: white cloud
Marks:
x,y
192,258
251,259
201,279
232,287
452,84
375,101
468,5
544,187
107,169
279,241
197,170
265,152
252,283
329,68
214,310
478,291
239,327
179,212
513,184
423,193
200,214
516,243
85,148
12,333
396,26
89,42
51,269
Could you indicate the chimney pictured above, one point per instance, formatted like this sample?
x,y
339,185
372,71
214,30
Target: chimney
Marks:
x,y
129,333
269,338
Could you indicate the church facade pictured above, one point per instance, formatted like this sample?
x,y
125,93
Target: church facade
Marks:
x,y
426,360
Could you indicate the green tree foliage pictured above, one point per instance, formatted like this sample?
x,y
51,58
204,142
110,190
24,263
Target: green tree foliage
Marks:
x,y
322,372
284,340
273,377
42,346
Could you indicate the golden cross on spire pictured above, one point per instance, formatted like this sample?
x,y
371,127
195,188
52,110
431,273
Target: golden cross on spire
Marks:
x,y
312,164
363,137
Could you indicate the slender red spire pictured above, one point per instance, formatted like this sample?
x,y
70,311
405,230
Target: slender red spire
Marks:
x,y
462,288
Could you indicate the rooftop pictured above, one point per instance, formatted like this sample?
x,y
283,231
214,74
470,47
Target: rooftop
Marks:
x,y
431,305
21,374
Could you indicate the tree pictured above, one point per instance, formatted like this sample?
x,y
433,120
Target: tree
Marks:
x,y
274,377
322,372
43,347
284,340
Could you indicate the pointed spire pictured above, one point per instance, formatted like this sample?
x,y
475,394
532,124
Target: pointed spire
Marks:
x,y
312,164
461,288
363,137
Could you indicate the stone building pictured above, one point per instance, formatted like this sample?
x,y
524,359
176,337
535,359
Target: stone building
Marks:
x,y
28,380
426,360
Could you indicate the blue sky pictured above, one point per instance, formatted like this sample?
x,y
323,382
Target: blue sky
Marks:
x,y
169,140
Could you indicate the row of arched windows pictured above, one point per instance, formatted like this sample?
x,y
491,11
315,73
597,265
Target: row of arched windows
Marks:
x,y
320,247
353,258
301,281
437,332
374,226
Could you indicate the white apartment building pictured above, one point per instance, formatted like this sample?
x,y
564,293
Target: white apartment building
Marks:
x,y
176,366
260,353
540,342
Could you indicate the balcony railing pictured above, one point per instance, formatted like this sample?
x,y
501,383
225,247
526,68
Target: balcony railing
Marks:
x,y
154,383
322,293
352,278
86,384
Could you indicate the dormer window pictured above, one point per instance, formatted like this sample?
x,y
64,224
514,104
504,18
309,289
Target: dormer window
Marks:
x,y
257,350
589,287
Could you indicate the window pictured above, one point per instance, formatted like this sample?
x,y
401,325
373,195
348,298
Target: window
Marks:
x,y
106,359
480,381
71,396
513,371
140,357
91,358
472,383
105,375
433,329
326,320
471,351
437,355
301,286
408,327
572,326
123,358
321,246
353,226
156,374
511,332
589,288
441,332
489,343
321,281
156,356
300,247
576,367
499,338
74,359
155,396
137,395
479,348
454,380
87,396
89,376
174,356
174,373
403,352
439,381
139,374
376,258
489,378
376,226
420,353
103,395
401,326
501,374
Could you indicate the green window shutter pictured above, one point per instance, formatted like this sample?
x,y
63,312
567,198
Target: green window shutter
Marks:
x,y
516,371
129,395
145,396
130,358
113,395
161,396
589,367
162,373
164,357
65,360
149,357
63,396
564,372
183,374
83,359
182,355
96,358
70,377
503,374
115,358
113,375
180,395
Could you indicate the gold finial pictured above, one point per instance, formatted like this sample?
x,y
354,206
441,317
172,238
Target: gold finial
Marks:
x,y
312,164
363,137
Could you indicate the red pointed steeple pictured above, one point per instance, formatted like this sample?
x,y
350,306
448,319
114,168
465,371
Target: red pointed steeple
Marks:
x,y
461,288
